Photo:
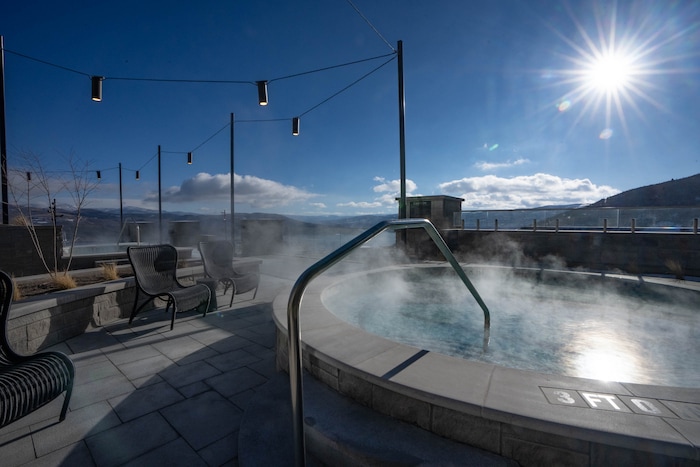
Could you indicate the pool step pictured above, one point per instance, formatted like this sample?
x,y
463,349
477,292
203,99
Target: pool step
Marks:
x,y
341,432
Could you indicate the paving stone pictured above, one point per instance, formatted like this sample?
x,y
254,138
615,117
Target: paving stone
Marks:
x,y
146,367
130,440
145,400
95,371
194,389
180,347
221,452
133,354
211,335
146,381
265,366
99,390
98,339
232,360
86,358
235,381
78,425
242,399
16,446
204,418
176,452
76,454
228,344
184,375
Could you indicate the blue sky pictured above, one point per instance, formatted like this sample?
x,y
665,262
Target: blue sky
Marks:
x,y
509,103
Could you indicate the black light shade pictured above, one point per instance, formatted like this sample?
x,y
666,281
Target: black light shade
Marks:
x,y
29,176
262,92
138,175
96,88
99,175
295,126
189,158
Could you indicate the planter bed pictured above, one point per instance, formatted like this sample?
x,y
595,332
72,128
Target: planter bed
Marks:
x,y
44,320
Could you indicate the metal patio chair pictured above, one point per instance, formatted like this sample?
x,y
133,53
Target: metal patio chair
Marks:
x,y
28,382
217,257
155,270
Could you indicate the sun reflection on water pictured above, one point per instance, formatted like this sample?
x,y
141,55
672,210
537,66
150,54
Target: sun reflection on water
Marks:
x,y
601,354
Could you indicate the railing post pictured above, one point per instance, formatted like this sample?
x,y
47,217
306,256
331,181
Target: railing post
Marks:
x,y
557,226
495,225
297,292
634,225
605,225
695,226
534,225
478,224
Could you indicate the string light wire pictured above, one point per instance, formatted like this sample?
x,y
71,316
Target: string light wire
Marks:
x,y
371,26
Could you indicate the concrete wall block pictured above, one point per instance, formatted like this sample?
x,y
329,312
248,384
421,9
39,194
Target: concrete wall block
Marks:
x,y
18,338
282,351
105,315
466,428
568,443
38,329
401,407
325,377
610,455
532,454
23,321
332,370
356,388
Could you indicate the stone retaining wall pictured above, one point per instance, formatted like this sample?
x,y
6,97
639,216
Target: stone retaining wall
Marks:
x,y
40,322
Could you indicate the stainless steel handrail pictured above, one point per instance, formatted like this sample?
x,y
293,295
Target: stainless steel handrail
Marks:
x,y
297,293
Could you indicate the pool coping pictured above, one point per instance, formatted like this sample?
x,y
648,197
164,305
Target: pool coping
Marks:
x,y
528,416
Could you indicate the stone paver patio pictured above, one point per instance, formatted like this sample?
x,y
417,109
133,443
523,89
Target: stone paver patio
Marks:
x,y
145,395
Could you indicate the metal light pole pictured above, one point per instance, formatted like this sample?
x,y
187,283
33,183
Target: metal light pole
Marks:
x,y
233,236
121,200
3,136
402,133
160,204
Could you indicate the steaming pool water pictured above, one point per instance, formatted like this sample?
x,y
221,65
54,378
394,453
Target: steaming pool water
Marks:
x,y
611,328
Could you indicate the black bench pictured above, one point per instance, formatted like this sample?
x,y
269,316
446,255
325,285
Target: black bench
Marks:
x,y
28,382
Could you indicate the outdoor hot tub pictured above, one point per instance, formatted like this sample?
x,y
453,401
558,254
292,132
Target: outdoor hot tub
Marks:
x,y
539,404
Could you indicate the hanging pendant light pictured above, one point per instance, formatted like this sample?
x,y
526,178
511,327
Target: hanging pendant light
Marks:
x,y
97,88
295,126
189,158
99,175
262,92
138,175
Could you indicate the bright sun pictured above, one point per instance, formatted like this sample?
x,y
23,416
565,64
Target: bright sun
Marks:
x,y
610,73
611,68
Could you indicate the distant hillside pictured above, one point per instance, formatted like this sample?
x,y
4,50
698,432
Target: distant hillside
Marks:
x,y
674,193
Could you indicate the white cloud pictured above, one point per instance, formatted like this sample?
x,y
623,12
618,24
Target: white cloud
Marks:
x,y
388,191
528,191
482,165
360,204
257,192
393,186
318,205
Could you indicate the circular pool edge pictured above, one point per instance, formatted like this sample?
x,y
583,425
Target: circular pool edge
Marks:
x,y
527,416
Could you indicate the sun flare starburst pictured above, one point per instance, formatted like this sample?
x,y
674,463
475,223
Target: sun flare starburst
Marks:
x,y
613,66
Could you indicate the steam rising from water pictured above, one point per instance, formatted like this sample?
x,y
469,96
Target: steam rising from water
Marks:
x,y
560,323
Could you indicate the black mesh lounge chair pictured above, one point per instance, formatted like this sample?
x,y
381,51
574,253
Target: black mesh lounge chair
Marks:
x,y
217,257
28,382
155,270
